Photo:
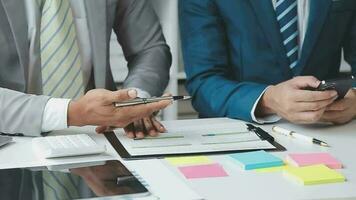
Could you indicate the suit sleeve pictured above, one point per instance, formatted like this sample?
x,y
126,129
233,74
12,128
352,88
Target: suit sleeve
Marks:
x,y
216,88
21,113
350,45
140,35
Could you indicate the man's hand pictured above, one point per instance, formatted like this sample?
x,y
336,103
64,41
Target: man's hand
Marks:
x,y
291,101
97,108
341,111
146,126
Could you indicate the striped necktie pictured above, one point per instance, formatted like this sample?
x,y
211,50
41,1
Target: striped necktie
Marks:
x,y
61,77
61,62
287,17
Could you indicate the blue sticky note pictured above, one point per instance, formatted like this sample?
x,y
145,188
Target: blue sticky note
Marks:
x,y
256,160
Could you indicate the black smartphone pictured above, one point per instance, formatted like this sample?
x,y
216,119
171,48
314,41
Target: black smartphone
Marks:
x,y
342,86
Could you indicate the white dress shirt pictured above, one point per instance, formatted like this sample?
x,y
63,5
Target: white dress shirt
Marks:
x,y
303,16
55,112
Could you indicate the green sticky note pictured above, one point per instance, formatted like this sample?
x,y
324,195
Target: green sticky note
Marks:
x,y
313,175
189,160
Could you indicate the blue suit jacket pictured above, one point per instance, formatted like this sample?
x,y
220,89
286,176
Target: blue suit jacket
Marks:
x,y
233,50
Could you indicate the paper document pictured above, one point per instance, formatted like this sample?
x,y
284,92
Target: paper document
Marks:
x,y
196,136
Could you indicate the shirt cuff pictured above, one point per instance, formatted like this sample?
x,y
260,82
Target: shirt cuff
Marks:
x,y
266,119
55,115
141,93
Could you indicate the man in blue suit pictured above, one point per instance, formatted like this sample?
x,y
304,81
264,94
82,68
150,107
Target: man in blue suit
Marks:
x,y
253,59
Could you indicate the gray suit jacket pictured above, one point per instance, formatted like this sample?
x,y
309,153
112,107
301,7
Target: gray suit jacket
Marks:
x,y
138,31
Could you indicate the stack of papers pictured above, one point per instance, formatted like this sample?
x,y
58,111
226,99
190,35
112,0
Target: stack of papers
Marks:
x,y
315,174
256,160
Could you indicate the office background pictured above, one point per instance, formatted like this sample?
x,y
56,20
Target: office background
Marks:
x,y
167,12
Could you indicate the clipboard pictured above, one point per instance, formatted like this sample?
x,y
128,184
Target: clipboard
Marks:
x,y
124,153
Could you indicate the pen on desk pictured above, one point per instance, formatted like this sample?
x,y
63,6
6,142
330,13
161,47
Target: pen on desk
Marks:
x,y
12,134
139,101
298,136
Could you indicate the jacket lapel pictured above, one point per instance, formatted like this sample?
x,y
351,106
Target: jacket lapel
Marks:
x,y
16,14
96,13
317,16
268,21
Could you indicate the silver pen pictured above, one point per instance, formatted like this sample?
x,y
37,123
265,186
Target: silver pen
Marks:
x,y
139,101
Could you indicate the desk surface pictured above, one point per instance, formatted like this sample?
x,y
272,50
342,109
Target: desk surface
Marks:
x,y
252,185
240,184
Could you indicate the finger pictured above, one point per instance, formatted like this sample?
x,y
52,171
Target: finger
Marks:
x,y
302,82
332,115
139,129
335,117
158,126
313,106
100,129
310,96
141,111
166,95
150,129
130,131
308,117
340,105
120,95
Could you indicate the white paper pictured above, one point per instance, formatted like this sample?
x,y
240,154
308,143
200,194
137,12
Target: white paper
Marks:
x,y
196,136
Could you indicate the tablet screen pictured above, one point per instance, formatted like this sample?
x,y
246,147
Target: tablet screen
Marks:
x,y
111,179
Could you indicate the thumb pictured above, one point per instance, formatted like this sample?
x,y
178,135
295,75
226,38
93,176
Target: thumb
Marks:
x,y
303,82
122,95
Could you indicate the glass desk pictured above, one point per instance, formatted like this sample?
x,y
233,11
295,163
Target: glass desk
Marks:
x,y
107,180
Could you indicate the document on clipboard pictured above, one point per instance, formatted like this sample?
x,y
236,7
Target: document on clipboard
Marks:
x,y
198,136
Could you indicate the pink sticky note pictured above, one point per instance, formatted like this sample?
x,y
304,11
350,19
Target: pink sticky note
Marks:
x,y
307,159
203,171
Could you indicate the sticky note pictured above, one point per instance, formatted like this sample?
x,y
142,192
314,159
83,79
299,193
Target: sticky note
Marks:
x,y
272,169
256,160
315,174
189,160
203,171
306,159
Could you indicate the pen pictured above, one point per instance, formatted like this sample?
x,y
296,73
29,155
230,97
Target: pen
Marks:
x,y
139,101
12,134
298,136
260,132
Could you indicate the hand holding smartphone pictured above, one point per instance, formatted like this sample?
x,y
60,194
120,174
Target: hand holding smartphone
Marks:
x,y
342,86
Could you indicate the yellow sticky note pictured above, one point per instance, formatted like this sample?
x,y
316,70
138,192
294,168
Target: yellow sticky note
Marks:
x,y
189,160
272,169
315,174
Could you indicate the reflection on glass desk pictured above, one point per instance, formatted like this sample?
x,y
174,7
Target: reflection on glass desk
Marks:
x,y
110,179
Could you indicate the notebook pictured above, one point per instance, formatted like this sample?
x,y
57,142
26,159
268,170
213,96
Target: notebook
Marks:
x,y
313,175
256,160
306,159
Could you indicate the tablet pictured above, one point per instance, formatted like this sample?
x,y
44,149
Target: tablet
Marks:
x,y
5,140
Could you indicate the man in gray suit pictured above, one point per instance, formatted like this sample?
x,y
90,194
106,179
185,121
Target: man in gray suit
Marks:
x,y
56,50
